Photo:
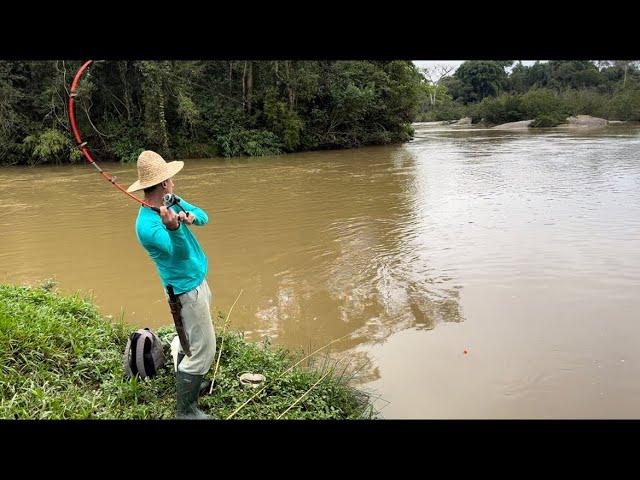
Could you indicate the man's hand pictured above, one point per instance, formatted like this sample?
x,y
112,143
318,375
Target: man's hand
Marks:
x,y
187,218
169,218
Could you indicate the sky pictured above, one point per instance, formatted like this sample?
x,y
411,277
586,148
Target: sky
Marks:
x,y
456,63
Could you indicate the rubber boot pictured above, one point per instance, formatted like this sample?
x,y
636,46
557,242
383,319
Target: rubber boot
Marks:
x,y
205,386
188,389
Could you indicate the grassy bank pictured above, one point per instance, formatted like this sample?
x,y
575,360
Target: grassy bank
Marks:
x,y
60,359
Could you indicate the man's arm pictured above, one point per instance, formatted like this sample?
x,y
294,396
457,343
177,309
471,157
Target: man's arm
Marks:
x,y
201,217
168,238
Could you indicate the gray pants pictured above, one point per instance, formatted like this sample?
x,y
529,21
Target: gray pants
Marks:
x,y
196,317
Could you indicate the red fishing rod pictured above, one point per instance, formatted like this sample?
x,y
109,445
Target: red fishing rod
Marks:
x,y
83,145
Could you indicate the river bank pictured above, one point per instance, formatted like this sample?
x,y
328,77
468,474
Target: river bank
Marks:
x,y
576,122
62,360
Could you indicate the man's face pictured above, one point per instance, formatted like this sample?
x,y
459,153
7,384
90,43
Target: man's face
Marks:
x,y
169,187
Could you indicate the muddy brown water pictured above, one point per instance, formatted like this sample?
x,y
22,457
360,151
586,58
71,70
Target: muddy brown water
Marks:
x,y
520,248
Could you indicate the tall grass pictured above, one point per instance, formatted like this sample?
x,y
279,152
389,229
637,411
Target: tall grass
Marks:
x,y
59,359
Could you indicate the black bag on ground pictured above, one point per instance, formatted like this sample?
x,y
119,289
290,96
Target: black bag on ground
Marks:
x,y
143,355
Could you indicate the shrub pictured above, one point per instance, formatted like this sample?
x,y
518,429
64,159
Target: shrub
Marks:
x,y
536,103
625,105
502,109
586,102
446,110
50,146
249,142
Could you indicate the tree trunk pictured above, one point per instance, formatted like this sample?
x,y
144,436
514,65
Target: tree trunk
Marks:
x,y
290,91
125,86
163,120
244,84
161,113
249,86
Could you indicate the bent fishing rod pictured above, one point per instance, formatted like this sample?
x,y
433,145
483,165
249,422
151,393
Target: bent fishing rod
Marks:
x,y
168,199
83,145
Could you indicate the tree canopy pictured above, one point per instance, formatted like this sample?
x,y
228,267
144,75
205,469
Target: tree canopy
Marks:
x,y
204,108
505,91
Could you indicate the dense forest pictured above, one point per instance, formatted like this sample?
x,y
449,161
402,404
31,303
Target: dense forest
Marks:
x,y
546,92
187,109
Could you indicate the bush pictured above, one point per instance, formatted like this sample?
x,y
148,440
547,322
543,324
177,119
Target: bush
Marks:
x,y
126,150
407,132
378,137
544,106
586,102
542,102
249,142
625,105
186,148
446,110
284,121
261,142
125,143
502,109
50,146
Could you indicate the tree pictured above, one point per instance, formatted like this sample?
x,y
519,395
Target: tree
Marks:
x,y
573,74
9,112
204,108
481,79
625,65
434,75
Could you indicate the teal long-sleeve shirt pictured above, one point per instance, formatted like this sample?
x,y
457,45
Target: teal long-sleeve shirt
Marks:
x,y
178,257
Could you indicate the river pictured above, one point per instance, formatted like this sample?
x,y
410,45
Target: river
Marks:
x,y
475,273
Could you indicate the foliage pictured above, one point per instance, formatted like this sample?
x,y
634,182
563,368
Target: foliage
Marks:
x,y
586,102
542,101
625,105
200,108
49,145
545,92
505,108
249,142
283,120
480,79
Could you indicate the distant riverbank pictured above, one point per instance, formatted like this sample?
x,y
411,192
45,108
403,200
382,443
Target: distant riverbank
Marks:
x,y
579,122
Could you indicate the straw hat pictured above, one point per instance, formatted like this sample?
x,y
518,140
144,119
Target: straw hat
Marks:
x,y
152,170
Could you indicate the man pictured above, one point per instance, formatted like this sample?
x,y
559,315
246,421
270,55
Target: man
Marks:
x,y
182,264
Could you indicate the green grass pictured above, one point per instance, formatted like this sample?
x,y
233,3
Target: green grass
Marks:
x,y
60,359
